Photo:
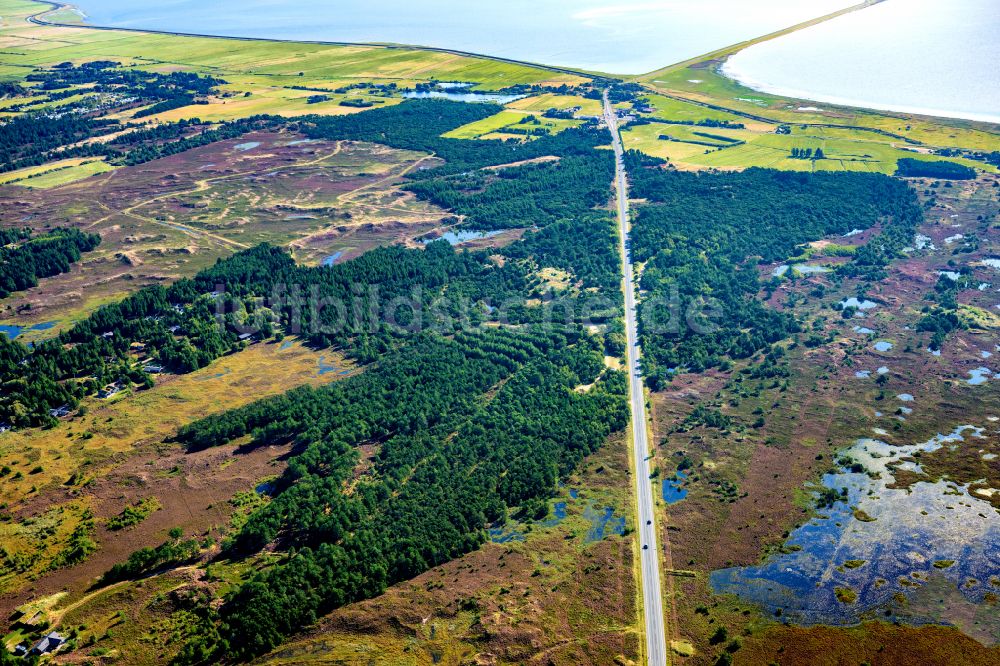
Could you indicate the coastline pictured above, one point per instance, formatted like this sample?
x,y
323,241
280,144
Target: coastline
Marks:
x,y
724,54
792,93
38,18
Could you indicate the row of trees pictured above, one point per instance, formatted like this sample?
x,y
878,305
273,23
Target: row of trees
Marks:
x,y
34,137
27,139
166,90
807,154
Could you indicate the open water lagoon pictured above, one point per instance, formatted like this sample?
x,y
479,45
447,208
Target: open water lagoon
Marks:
x,y
917,56
602,35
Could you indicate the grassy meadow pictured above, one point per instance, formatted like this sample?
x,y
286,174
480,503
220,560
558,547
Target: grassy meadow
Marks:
x,y
262,76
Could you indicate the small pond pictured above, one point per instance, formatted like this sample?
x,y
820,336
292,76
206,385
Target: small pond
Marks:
x,y
979,376
808,269
12,331
457,94
673,489
853,302
324,367
461,236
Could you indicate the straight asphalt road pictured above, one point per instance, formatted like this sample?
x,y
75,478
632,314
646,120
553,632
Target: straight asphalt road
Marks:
x,y
656,649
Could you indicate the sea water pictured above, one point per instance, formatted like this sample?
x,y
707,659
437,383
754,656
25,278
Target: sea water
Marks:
x,y
917,56
603,35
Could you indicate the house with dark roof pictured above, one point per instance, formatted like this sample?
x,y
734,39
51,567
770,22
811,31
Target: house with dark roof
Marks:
x,y
48,643
110,390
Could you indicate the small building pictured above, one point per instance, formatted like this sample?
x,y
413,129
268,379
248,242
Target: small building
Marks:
x,y
110,390
48,643
20,650
246,336
60,412
152,368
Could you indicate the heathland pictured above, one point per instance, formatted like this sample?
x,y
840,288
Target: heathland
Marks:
x,y
314,354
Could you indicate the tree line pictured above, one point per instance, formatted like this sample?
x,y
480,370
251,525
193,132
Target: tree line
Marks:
x,y
914,168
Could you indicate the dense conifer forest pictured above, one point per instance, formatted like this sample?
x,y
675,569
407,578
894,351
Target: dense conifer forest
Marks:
x,y
482,391
24,259
703,235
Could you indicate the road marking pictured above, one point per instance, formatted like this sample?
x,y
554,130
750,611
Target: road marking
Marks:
x,y
652,597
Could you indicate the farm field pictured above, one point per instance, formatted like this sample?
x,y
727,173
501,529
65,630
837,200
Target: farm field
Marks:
x,y
841,153
55,174
490,127
261,76
845,148
545,101
701,83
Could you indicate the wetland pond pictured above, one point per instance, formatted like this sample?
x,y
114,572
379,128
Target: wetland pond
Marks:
x,y
12,331
673,490
462,236
457,92
603,521
926,553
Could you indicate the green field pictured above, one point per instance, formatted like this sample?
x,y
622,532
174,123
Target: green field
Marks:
x,y
266,70
701,82
507,118
588,107
667,108
56,173
845,149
